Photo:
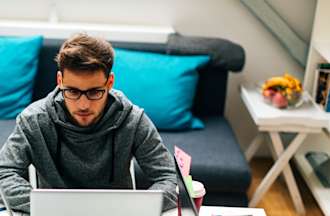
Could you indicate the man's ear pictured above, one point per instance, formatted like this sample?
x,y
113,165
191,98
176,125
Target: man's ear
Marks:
x,y
59,78
111,80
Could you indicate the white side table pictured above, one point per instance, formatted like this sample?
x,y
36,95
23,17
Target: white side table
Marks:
x,y
271,121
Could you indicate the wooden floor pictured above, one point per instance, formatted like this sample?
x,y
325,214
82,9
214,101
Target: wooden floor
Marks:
x,y
277,201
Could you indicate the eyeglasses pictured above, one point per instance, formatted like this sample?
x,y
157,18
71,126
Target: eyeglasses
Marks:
x,y
91,94
75,94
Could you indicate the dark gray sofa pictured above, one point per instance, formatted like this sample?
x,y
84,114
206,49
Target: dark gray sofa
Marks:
x,y
217,159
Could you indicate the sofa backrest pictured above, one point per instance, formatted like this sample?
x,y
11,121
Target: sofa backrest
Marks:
x,y
211,89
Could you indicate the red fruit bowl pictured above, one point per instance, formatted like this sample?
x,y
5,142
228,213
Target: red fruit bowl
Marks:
x,y
279,100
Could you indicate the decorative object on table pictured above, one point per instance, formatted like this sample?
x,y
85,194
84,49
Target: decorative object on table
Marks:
x,y
283,91
322,86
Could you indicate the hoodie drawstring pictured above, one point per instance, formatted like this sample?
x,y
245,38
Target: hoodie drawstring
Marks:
x,y
112,156
58,150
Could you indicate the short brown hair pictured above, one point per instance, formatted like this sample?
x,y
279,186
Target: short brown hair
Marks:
x,y
85,53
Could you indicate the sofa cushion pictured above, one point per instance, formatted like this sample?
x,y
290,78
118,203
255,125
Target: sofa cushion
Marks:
x,y
164,85
227,170
18,66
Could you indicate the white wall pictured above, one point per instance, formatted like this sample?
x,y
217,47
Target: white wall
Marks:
x,y
229,19
298,13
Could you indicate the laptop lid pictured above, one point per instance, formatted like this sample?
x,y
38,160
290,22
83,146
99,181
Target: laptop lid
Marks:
x,y
72,202
186,203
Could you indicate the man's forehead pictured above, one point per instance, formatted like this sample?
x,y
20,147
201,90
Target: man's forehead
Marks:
x,y
83,73
83,80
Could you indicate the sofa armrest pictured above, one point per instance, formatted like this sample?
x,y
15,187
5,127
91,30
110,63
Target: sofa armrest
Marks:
x,y
224,53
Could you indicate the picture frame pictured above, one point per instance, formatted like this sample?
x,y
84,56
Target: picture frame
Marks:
x,y
321,91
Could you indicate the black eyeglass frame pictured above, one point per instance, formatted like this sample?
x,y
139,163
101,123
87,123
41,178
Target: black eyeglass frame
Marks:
x,y
85,92
82,92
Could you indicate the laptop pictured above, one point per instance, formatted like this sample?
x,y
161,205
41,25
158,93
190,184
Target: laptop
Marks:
x,y
73,202
186,203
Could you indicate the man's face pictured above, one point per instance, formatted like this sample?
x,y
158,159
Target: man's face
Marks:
x,y
83,111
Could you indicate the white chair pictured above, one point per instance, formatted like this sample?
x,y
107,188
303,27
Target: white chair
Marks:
x,y
132,171
33,176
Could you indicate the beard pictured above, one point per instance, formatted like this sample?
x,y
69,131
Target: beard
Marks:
x,y
83,118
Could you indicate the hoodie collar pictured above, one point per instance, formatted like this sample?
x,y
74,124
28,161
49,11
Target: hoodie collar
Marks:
x,y
115,112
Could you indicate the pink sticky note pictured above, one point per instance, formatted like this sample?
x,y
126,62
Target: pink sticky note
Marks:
x,y
184,160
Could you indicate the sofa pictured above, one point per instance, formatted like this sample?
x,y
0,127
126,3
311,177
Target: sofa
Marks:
x,y
217,160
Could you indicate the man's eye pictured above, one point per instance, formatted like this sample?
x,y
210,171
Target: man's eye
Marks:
x,y
73,91
93,92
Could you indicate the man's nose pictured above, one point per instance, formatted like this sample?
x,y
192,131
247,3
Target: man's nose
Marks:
x,y
83,102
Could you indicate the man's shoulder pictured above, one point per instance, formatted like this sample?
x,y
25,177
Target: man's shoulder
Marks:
x,y
35,110
137,111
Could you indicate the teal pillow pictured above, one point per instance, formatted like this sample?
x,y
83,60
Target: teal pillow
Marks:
x,y
164,85
18,66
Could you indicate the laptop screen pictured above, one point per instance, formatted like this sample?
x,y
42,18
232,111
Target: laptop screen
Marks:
x,y
186,203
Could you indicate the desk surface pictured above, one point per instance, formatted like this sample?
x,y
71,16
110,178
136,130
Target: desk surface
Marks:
x,y
223,211
205,211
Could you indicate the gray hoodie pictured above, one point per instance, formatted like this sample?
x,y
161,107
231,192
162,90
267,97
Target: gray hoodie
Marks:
x,y
68,156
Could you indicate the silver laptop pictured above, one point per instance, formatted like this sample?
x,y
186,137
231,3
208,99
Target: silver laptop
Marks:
x,y
72,202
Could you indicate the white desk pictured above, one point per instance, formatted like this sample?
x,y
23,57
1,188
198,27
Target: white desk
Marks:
x,y
272,121
204,211
213,210
223,211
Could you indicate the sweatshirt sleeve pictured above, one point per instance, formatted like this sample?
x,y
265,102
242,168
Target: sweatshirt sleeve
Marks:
x,y
14,161
156,161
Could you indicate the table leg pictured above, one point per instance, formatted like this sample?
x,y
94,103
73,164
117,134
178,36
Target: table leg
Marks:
x,y
287,172
254,146
276,169
272,151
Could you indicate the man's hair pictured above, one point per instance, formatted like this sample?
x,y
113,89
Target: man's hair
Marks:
x,y
82,52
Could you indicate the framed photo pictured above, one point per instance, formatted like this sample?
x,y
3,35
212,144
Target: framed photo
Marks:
x,y
322,85
327,105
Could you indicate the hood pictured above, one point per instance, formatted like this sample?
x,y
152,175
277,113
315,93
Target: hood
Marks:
x,y
115,112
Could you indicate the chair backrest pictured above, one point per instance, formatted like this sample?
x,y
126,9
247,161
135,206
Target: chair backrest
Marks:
x,y
33,177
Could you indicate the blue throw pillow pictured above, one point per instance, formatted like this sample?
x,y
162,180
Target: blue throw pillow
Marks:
x,y
164,85
18,66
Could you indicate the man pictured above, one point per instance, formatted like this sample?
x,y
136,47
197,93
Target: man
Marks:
x,y
84,133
